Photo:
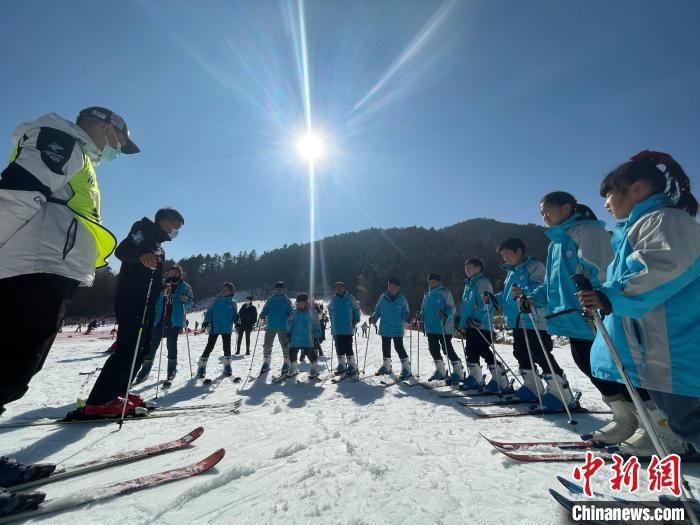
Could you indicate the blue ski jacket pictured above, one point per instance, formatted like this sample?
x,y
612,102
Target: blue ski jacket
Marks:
x,y
344,313
436,299
221,314
276,311
177,316
304,327
472,313
578,245
394,314
529,274
653,285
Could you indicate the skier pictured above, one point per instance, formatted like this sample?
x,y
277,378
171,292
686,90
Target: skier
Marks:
x,y
579,244
175,297
344,314
437,313
142,259
650,297
51,240
221,314
392,310
247,317
196,327
304,331
475,324
524,271
324,324
364,327
276,312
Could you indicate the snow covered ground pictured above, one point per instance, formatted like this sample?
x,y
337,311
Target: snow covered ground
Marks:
x,y
355,452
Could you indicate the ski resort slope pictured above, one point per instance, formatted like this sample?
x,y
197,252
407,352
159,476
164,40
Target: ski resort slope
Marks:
x,y
346,453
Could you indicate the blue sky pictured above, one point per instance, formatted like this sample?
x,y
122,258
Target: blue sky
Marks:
x,y
433,112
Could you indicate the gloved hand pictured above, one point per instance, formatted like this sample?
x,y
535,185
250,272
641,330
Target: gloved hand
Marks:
x,y
372,320
184,298
525,304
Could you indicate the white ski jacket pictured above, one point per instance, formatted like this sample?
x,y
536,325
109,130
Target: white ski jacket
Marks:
x,y
39,232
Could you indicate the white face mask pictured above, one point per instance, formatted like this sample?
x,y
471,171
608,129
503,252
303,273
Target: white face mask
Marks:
x,y
173,233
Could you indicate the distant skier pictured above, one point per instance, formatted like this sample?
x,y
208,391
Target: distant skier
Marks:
x,y
51,240
475,324
304,331
344,315
324,324
437,313
175,297
276,312
365,327
91,326
221,314
392,310
142,258
247,317
196,327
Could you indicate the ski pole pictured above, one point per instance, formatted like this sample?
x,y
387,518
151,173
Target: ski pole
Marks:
x,y
582,283
252,357
136,348
160,357
410,342
538,385
364,362
187,338
330,370
417,348
444,342
571,421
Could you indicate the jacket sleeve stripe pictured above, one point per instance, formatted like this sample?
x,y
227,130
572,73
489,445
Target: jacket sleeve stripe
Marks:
x,y
16,177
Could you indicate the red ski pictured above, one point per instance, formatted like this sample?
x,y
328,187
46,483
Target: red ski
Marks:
x,y
517,445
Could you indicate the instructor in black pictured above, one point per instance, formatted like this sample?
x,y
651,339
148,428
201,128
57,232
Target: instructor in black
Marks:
x,y
247,317
140,276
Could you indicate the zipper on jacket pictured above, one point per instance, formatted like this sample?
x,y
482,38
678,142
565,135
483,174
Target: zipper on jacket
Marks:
x,y
70,237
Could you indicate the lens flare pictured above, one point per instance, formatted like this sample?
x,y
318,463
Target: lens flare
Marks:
x,y
310,147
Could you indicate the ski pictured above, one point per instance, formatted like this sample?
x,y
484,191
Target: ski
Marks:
x,y
111,461
517,445
568,504
494,403
122,488
536,411
580,455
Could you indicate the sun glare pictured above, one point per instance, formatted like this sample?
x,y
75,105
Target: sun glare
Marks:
x,y
310,147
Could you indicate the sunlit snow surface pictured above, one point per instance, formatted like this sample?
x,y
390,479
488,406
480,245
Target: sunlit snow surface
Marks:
x,y
354,453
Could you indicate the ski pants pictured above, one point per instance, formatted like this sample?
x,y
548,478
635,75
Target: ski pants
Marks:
x,y
32,308
581,352
282,337
437,341
171,333
114,377
682,413
243,330
343,345
225,339
398,346
520,350
310,353
478,346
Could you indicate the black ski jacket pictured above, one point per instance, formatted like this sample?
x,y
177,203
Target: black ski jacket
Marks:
x,y
247,316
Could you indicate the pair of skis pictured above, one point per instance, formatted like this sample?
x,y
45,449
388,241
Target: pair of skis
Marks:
x,y
123,487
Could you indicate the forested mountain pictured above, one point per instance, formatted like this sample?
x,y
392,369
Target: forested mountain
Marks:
x,y
364,260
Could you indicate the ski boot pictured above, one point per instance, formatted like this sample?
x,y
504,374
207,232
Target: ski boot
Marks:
x,y
144,372
457,375
228,372
475,379
313,371
202,368
499,382
112,408
530,387
293,369
342,367
14,473
552,400
285,369
623,424
16,502
385,368
352,370
640,443
440,372
405,369
265,368
172,369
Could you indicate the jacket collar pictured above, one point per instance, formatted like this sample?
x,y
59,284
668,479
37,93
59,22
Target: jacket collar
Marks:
x,y
556,233
652,203
474,278
521,264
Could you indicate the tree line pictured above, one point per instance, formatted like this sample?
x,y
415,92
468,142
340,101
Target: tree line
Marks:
x,y
364,260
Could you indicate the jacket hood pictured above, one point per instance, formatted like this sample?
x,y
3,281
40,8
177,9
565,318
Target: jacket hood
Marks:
x,y
52,120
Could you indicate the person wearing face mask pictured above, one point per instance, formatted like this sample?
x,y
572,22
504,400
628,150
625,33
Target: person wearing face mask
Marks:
x,y
51,233
142,256
247,317
175,297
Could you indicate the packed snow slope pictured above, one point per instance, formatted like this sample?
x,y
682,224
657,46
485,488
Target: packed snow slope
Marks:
x,y
353,452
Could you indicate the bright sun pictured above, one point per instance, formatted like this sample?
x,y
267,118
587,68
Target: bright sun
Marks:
x,y
310,147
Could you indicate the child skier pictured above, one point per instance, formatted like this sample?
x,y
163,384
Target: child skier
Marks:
x,y
221,315
174,298
651,294
437,313
365,332
304,331
247,317
475,324
344,315
524,272
276,312
392,310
